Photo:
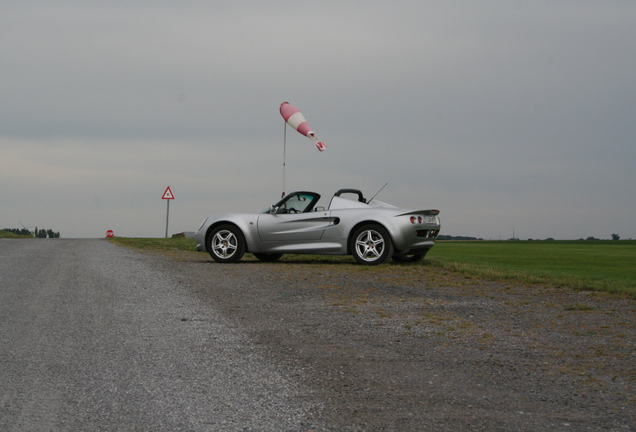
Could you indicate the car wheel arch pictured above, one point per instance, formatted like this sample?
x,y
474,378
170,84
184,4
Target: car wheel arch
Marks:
x,y
358,225
211,228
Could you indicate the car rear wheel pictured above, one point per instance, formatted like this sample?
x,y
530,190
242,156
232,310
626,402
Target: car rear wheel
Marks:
x,y
226,244
371,245
267,257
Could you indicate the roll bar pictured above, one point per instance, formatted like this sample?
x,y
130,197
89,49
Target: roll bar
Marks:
x,y
353,191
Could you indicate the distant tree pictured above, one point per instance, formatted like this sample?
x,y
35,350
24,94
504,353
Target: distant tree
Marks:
x,y
39,233
591,238
616,237
22,231
449,237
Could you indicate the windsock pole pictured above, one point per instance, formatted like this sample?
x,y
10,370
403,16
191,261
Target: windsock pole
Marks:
x,y
284,154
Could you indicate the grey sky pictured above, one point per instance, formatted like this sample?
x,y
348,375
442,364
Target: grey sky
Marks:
x,y
503,115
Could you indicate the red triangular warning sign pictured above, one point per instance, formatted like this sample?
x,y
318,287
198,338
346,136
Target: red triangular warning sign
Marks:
x,y
168,194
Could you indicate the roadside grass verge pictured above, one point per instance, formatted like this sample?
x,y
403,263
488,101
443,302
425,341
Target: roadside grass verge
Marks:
x,y
156,244
605,266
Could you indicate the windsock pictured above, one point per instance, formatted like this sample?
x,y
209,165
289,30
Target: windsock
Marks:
x,y
295,119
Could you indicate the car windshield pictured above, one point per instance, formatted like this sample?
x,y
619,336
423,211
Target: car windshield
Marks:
x,y
296,203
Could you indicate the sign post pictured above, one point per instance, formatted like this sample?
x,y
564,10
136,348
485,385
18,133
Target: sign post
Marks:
x,y
168,195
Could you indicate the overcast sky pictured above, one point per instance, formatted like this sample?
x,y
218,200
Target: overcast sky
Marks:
x,y
504,115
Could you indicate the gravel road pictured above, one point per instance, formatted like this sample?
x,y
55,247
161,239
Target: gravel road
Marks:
x,y
96,337
99,338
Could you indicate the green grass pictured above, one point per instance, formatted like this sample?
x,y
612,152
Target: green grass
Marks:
x,y
6,234
158,244
608,266
586,265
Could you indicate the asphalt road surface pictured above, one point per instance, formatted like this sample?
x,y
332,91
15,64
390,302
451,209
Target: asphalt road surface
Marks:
x,y
95,337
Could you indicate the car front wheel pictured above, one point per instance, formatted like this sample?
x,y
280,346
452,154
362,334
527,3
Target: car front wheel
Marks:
x,y
371,245
226,244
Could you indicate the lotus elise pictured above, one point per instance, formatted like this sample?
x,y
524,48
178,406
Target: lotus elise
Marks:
x,y
372,231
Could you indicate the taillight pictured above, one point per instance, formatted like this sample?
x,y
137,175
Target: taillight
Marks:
x,y
413,219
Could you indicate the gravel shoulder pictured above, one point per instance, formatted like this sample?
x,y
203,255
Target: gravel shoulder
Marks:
x,y
403,348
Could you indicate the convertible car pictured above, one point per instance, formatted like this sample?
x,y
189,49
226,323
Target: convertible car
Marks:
x,y
373,232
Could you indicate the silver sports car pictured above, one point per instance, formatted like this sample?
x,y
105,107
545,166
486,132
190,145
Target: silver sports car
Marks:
x,y
373,232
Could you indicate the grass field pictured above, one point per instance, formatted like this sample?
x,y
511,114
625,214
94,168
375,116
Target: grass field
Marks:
x,y
6,234
602,265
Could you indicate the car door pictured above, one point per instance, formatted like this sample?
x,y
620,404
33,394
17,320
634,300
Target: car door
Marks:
x,y
293,227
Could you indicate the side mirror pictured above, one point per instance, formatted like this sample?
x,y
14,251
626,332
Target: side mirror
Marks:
x,y
272,209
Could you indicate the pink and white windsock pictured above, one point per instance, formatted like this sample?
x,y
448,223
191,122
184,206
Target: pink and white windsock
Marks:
x,y
295,119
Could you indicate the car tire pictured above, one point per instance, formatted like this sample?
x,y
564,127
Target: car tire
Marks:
x,y
409,258
226,244
371,244
267,257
